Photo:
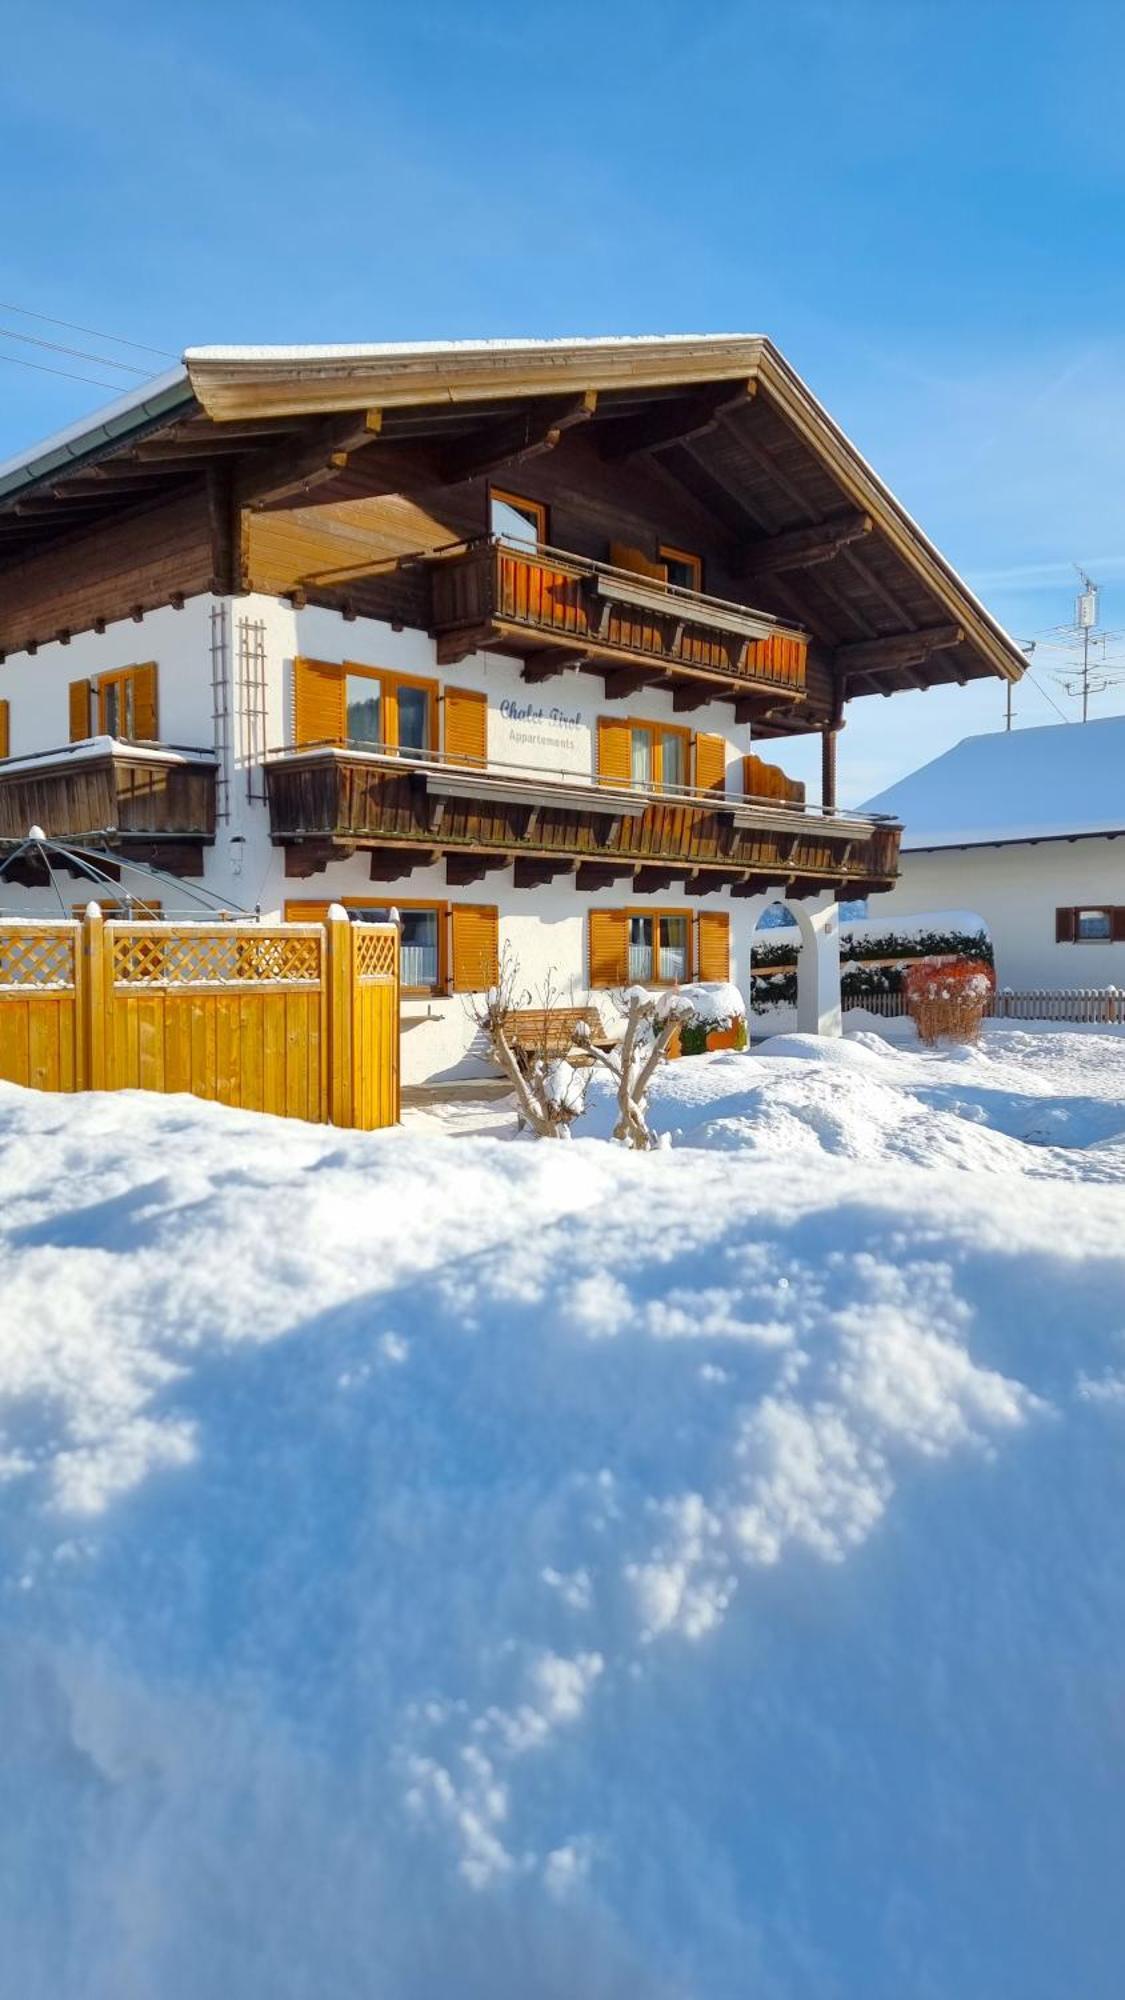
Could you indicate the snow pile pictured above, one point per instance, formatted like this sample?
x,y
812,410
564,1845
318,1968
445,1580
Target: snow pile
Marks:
x,y
924,924
714,1003
436,1567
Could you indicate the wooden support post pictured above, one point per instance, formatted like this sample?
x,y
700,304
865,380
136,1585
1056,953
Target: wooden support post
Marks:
x,y
92,997
828,768
340,1106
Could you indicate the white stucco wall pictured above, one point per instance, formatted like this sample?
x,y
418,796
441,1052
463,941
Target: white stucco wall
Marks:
x,y
549,727
1016,890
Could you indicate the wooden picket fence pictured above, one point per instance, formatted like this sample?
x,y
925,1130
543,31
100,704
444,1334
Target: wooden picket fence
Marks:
x,y
297,1019
1099,1004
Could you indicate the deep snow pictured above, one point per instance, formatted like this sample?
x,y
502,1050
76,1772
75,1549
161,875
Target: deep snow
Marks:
x,y
435,1567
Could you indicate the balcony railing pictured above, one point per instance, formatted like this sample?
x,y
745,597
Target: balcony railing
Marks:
x,y
555,605
108,792
329,798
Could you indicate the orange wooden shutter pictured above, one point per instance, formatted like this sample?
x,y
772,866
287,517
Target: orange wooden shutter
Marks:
x,y
319,714
144,702
710,764
306,913
609,948
714,945
623,556
5,734
476,947
614,761
466,726
79,711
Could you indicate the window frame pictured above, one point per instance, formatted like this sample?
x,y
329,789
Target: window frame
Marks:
x,y
523,503
668,552
655,731
389,684
658,914
1090,909
297,908
124,680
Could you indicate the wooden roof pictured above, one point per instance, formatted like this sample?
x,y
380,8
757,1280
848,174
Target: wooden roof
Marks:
x,y
816,536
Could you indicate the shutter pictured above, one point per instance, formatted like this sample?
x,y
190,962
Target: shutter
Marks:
x,y
466,726
614,762
5,733
713,950
609,948
318,702
710,764
79,711
306,913
476,947
1066,927
623,556
1117,924
144,703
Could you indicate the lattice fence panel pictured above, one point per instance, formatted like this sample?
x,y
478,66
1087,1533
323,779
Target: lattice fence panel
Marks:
x,y
374,953
144,956
43,957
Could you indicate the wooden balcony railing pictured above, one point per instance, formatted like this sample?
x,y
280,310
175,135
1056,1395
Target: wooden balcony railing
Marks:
x,y
328,800
562,609
144,796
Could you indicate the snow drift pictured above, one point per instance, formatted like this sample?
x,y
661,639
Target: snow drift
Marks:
x,y
438,1567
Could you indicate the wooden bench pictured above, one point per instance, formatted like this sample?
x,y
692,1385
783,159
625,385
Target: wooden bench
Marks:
x,y
553,1031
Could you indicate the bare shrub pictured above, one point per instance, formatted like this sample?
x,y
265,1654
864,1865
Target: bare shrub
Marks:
x,y
651,1020
549,1092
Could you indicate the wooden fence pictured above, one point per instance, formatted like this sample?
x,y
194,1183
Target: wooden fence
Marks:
x,y
1101,1004
296,1019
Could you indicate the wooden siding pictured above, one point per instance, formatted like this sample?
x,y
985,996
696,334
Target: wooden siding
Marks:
x,y
121,567
338,799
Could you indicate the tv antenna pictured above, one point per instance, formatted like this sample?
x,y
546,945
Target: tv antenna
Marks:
x,y
1092,677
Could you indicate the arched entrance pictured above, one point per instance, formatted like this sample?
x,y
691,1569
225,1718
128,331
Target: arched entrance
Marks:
x,y
817,921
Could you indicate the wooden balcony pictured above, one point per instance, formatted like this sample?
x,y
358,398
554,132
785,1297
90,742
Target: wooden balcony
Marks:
x,y
554,610
157,803
327,803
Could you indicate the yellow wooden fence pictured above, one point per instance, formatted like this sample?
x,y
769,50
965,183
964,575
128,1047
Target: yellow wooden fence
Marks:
x,y
298,1019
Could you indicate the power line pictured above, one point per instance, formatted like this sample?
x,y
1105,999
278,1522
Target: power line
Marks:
x,y
18,361
115,339
1040,689
80,353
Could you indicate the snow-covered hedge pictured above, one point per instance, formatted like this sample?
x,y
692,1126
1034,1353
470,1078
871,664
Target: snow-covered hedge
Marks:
x,y
943,934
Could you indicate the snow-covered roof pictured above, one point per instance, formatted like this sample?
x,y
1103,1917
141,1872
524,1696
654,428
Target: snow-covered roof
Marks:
x,y
1023,784
148,402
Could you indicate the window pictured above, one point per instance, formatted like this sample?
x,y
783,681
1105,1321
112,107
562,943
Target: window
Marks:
x,y
522,524
683,569
120,704
1091,923
658,756
389,712
419,941
363,700
658,947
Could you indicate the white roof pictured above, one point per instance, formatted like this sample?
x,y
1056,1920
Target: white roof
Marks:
x,y
1023,784
381,350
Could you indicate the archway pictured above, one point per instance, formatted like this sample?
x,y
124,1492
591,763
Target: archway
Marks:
x,y
817,956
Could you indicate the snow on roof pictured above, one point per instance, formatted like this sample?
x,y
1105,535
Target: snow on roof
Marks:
x,y
1026,784
148,399
381,350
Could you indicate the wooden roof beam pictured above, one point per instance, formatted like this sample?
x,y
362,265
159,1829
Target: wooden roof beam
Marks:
x,y
292,471
674,421
513,439
896,651
804,548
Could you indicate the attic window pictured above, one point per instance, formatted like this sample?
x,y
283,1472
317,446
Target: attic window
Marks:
x,y
522,524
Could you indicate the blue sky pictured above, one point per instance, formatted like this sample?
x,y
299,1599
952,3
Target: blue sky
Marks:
x,y
921,201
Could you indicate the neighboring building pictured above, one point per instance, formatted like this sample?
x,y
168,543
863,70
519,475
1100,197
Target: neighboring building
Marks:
x,y
1027,829
491,633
